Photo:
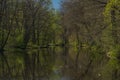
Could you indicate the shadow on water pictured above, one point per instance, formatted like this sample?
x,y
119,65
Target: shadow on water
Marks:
x,y
47,64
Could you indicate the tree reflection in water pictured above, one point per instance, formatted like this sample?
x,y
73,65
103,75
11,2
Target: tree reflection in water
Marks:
x,y
49,64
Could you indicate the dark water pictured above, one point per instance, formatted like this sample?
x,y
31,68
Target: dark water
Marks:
x,y
50,64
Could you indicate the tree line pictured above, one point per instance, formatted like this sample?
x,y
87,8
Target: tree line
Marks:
x,y
26,22
91,25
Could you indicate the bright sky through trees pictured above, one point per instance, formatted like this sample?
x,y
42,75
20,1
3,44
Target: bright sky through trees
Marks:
x,y
56,4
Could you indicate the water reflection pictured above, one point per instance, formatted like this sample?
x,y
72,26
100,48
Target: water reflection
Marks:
x,y
49,64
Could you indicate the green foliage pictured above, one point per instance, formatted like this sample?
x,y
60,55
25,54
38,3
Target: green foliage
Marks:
x,y
113,63
111,18
111,5
16,41
19,39
96,53
114,52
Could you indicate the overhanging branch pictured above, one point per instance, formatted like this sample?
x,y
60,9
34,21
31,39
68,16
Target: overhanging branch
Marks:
x,y
101,2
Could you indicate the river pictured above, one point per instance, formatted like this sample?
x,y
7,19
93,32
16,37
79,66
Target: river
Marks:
x,y
49,64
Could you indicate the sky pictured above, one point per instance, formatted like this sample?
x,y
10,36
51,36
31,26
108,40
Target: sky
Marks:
x,y
56,4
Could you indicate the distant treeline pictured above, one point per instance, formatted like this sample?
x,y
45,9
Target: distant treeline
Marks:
x,y
26,23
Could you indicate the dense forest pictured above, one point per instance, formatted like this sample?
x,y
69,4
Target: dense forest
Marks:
x,y
79,41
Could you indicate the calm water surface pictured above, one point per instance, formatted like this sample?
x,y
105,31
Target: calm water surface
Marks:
x,y
49,64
